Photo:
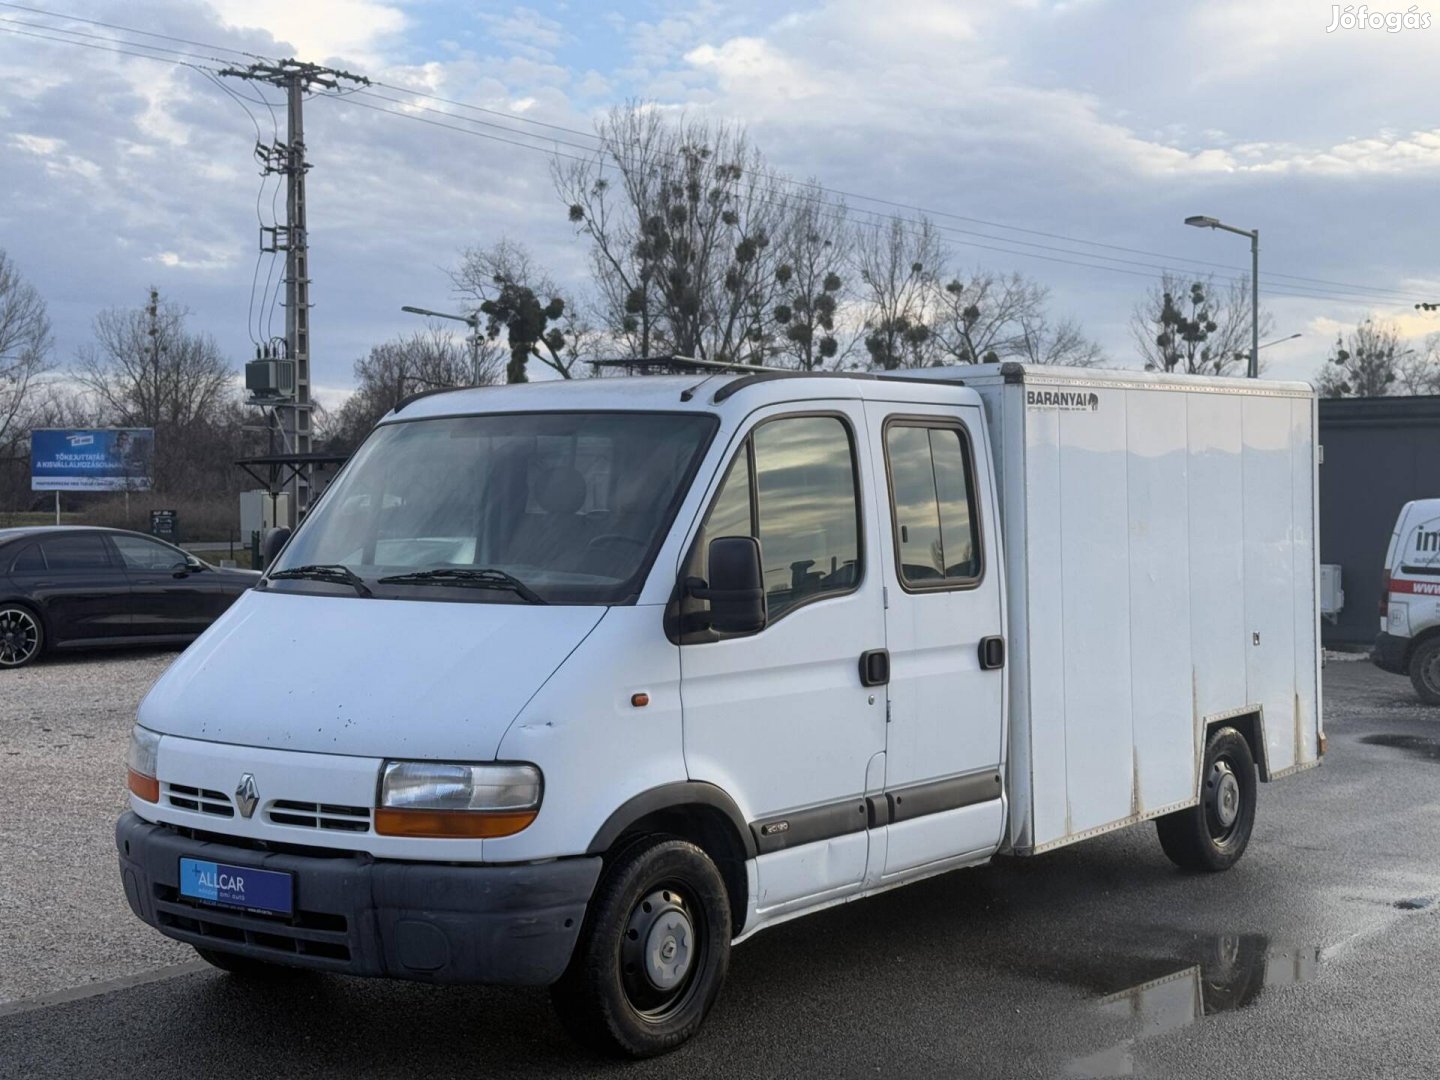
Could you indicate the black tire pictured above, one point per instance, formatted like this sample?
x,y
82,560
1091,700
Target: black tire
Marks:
x,y
1213,835
618,996
1425,671
22,635
246,967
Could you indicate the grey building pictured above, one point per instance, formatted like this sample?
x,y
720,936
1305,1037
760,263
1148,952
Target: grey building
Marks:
x,y
1379,454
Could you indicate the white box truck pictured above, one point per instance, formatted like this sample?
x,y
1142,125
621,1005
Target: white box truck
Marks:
x,y
579,684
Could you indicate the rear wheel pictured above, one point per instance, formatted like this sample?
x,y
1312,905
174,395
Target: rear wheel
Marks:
x,y
21,636
1213,835
1425,671
653,952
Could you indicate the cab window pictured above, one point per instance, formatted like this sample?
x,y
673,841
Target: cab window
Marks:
x,y
85,551
937,536
793,486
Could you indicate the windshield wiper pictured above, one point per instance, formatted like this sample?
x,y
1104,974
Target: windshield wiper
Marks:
x,y
467,578
340,575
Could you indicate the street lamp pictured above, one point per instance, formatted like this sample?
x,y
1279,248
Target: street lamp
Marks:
x,y
1277,341
472,321
1200,221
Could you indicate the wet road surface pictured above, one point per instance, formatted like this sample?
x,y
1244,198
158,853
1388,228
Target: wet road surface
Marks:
x,y
1316,956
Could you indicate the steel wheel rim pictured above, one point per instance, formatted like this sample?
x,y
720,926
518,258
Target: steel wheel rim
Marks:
x,y
1224,799
662,952
19,637
1430,672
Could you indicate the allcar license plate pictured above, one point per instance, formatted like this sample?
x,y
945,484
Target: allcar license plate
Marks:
x,y
268,891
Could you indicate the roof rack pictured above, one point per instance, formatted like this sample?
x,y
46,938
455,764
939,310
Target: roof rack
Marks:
x,y
671,365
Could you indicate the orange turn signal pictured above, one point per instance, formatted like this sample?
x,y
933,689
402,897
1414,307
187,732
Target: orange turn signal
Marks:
x,y
146,787
640,700
452,824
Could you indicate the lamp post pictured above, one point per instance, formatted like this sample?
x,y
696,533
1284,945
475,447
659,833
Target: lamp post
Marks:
x,y
472,321
1200,221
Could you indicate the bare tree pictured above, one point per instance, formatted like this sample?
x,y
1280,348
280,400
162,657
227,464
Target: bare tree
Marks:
x,y
520,299
814,257
1365,365
430,359
989,318
682,217
145,369
1194,327
900,264
24,351
1418,370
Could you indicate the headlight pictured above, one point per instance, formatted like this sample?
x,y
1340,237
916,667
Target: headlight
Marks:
x,y
140,764
437,799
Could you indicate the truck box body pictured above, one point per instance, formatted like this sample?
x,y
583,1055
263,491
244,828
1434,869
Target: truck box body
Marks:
x,y
1161,573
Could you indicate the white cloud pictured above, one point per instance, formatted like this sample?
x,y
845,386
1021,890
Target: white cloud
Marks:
x,y
358,30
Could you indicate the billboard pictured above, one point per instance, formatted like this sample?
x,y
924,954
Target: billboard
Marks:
x,y
96,459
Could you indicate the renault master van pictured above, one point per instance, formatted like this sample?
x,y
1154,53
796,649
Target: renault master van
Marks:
x,y
582,684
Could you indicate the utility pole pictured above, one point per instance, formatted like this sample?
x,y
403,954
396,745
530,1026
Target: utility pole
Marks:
x,y
297,79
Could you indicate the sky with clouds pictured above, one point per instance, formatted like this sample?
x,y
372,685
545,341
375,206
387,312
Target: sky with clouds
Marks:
x,y
1088,121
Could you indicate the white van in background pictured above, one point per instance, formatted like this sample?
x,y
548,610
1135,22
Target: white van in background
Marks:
x,y
1409,641
577,684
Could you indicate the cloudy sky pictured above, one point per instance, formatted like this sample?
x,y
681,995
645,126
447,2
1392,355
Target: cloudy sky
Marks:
x,y
1085,122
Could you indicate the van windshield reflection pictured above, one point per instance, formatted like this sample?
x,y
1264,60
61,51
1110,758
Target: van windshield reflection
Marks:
x,y
509,508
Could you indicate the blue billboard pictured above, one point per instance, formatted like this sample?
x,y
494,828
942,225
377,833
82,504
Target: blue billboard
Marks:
x,y
96,459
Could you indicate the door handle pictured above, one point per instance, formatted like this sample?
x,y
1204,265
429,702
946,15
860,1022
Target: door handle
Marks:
x,y
875,667
992,653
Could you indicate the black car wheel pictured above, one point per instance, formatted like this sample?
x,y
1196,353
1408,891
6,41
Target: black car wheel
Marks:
x,y
1213,835
21,636
653,953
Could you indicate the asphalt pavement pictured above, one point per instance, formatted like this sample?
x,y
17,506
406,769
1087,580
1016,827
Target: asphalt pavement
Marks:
x,y
1314,957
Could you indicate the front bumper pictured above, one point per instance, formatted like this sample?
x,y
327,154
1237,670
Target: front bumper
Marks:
x,y
1389,653
431,922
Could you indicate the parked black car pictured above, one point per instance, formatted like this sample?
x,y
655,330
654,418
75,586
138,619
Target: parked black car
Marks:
x,y
70,588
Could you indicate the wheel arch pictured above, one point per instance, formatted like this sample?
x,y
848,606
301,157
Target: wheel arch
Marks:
x,y
1425,636
698,812
1251,725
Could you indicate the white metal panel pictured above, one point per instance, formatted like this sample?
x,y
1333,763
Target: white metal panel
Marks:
x,y
1159,511
1270,573
1092,534
1305,586
917,843
1217,578
1044,564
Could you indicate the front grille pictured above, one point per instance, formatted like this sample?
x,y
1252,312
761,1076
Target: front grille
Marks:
x,y
199,800
321,935
308,815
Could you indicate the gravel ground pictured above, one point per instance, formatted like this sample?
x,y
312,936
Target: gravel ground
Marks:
x,y
64,725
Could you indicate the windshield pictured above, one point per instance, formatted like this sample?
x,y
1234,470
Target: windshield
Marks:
x,y
553,507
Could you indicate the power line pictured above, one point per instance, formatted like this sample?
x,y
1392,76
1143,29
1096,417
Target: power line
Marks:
x,y
876,217
128,29
1319,290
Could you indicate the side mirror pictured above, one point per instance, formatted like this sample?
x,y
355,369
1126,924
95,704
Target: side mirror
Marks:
x,y
736,590
271,543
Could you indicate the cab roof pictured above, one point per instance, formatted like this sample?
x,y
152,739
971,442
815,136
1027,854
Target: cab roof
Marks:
x,y
699,392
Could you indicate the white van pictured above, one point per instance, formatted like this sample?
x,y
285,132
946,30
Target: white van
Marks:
x,y
1409,641
582,683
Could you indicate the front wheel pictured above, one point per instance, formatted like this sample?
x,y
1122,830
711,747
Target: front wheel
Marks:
x,y
1213,835
653,953
1425,671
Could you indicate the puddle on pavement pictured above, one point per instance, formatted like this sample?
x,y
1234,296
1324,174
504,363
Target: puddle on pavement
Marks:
x,y
1229,973
1417,745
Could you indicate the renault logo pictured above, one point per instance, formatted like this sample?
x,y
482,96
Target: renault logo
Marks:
x,y
247,795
